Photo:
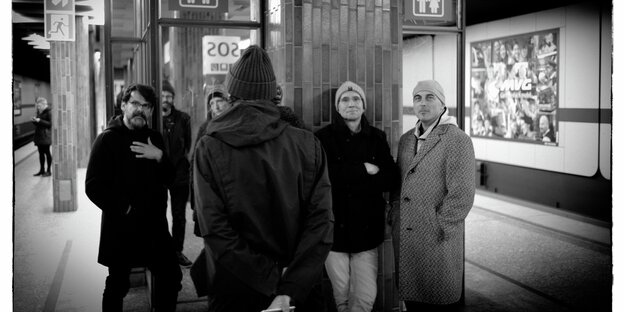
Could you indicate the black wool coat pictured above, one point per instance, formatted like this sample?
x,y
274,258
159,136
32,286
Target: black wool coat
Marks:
x,y
177,138
358,202
132,194
42,128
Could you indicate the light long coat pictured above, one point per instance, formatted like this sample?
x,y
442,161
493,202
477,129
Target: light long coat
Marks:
x,y
437,192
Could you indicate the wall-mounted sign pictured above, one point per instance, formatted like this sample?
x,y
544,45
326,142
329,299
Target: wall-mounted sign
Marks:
x,y
59,20
219,53
430,12
199,5
514,87
17,97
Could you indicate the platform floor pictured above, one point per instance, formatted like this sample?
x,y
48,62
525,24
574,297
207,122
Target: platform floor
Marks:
x,y
519,256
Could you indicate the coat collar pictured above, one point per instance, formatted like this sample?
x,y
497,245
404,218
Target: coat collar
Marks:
x,y
340,126
427,143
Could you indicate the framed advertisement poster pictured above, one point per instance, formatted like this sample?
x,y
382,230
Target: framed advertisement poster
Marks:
x,y
514,91
17,97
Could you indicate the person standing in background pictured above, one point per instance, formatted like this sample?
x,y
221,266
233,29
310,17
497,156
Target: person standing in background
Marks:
x,y
43,139
176,133
361,169
437,165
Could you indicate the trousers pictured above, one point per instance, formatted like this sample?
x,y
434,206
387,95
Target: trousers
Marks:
x,y
353,278
179,197
163,265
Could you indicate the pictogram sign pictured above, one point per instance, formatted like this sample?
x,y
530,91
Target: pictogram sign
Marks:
x,y
59,20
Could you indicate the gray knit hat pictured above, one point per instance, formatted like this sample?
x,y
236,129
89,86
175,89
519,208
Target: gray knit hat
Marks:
x,y
217,90
350,86
166,86
431,86
252,76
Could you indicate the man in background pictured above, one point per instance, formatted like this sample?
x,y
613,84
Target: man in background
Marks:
x,y
176,133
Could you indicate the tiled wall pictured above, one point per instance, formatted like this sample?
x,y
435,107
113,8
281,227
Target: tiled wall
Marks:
x,y
64,130
83,99
315,46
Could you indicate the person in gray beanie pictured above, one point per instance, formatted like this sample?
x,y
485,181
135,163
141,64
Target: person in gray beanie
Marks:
x,y
263,198
361,169
437,163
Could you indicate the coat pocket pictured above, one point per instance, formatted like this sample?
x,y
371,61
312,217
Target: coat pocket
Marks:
x,y
203,272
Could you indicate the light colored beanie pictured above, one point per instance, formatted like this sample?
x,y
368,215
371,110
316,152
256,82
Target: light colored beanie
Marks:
x,y
431,86
252,76
217,90
350,86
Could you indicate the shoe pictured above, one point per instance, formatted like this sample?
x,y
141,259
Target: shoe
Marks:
x,y
183,260
38,174
46,174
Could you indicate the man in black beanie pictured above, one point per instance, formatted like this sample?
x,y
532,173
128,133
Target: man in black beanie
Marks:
x,y
263,198
176,133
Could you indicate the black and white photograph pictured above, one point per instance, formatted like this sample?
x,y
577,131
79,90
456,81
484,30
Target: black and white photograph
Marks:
x,y
311,156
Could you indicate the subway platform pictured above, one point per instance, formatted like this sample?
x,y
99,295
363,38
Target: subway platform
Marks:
x,y
519,256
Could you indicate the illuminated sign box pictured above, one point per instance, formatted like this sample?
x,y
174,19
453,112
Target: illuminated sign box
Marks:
x,y
514,88
199,5
430,12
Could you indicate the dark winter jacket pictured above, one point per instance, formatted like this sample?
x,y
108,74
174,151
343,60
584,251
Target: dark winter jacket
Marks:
x,y
43,128
358,202
131,193
177,137
263,202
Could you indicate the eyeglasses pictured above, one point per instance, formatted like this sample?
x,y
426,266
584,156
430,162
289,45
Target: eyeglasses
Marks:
x,y
143,106
167,97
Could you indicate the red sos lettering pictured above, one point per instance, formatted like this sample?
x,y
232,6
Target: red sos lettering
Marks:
x,y
223,49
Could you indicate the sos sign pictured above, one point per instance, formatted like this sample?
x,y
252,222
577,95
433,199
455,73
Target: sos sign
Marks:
x,y
219,53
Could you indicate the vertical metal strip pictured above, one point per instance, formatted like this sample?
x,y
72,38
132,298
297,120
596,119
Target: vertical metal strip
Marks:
x,y
461,56
264,11
108,60
155,69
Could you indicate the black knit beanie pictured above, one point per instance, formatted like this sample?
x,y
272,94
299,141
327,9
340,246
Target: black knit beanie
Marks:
x,y
166,86
252,76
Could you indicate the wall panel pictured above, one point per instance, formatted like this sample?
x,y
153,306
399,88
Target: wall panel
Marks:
x,y
580,87
333,41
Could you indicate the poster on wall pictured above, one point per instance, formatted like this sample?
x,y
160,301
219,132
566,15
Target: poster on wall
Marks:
x,y
514,91
17,97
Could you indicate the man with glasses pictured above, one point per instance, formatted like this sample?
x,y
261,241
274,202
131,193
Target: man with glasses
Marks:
x,y
177,137
126,178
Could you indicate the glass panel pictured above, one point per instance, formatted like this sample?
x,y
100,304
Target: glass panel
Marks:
x,y
128,65
228,10
195,59
123,22
435,56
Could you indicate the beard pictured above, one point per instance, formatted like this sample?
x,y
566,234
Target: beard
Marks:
x,y
166,108
138,121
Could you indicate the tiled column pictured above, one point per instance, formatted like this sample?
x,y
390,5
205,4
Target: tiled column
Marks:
x,y
84,121
315,46
64,130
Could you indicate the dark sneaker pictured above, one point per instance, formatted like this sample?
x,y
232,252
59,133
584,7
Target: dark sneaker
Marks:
x,y
38,174
46,174
183,260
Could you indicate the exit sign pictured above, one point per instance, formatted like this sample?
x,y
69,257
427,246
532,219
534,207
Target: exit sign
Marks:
x,y
199,5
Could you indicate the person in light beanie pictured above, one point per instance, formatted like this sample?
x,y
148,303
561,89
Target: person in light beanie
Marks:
x,y
361,169
437,165
262,197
